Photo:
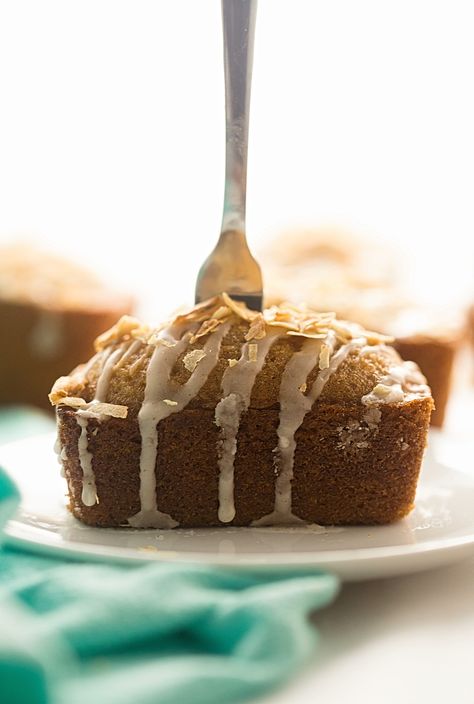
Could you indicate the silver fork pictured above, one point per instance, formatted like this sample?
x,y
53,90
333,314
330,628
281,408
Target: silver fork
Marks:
x,y
231,267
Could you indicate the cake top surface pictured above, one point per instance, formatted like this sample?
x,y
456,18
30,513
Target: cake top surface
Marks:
x,y
225,344
29,275
203,318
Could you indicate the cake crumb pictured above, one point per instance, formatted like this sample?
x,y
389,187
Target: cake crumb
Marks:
x,y
169,402
233,362
303,387
355,435
372,417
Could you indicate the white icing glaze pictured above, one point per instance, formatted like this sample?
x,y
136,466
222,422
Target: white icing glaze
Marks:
x,y
107,370
134,347
89,491
88,366
60,453
402,383
294,405
237,384
158,390
110,359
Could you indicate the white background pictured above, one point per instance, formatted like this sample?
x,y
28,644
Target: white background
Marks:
x,y
112,131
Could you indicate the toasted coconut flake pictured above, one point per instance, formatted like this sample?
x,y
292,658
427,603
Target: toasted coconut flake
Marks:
x,y
233,362
324,356
222,312
169,402
346,331
206,328
122,329
73,401
282,324
155,339
142,334
192,359
200,312
96,408
257,329
310,335
67,386
382,390
253,350
239,308
319,320
281,313
376,338
299,321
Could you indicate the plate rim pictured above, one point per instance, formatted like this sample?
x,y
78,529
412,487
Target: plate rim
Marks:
x,y
316,558
102,552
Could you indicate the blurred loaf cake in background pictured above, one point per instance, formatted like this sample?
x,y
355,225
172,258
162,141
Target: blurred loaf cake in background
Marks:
x,y
51,310
470,328
362,280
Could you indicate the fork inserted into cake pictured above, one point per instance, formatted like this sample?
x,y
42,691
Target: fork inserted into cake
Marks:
x,y
231,267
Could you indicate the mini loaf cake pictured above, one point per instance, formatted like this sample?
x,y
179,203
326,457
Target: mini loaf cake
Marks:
x,y
51,311
358,279
226,416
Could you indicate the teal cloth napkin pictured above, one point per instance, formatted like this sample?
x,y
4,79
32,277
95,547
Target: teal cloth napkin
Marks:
x,y
80,633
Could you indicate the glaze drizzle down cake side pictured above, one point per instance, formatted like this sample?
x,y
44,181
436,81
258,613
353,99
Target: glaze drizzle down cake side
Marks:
x,y
226,416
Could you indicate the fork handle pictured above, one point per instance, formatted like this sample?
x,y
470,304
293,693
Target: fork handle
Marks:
x,y
238,20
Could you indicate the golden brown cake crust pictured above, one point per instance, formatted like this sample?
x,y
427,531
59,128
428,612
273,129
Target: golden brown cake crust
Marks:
x,y
336,482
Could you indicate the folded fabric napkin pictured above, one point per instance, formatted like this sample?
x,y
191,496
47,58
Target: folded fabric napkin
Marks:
x,y
80,633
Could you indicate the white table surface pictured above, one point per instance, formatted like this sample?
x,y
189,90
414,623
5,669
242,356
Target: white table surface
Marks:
x,y
408,639
400,640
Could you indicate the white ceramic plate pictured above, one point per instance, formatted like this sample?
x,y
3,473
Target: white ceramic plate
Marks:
x,y
440,530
